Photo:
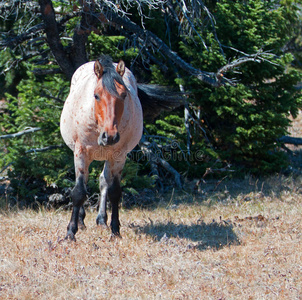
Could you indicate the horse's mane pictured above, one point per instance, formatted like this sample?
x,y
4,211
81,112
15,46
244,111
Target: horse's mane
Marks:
x,y
110,75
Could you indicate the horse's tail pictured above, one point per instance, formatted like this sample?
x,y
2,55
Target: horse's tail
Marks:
x,y
155,98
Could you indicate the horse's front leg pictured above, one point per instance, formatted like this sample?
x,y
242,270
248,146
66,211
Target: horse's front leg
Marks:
x,y
110,189
102,214
82,215
114,195
78,194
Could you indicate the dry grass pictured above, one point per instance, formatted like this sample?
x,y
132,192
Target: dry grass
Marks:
x,y
296,129
210,245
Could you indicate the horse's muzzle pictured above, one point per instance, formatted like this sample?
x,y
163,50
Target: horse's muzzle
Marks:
x,y
108,140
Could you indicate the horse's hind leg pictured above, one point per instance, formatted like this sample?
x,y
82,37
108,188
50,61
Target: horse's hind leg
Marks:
x,y
78,195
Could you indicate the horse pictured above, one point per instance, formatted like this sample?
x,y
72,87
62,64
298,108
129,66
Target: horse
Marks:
x,y
102,119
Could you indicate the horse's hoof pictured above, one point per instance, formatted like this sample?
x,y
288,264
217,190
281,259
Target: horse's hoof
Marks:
x,y
115,237
70,237
101,222
82,226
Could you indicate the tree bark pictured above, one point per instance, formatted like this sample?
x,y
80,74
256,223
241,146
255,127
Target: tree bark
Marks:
x,y
53,38
68,60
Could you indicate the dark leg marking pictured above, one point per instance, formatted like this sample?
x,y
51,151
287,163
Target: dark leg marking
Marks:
x,y
114,195
78,195
82,215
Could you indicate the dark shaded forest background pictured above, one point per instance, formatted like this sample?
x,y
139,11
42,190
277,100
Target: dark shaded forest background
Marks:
x,y
238,63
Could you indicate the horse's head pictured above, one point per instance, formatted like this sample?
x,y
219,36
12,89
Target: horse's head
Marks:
x,y
109,94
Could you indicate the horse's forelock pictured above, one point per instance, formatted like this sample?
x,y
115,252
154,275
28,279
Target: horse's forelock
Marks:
x,y
110,75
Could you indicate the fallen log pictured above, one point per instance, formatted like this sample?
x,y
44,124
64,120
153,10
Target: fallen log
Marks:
x,y
290,140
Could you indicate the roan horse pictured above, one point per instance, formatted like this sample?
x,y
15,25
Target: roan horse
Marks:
x,y
102,119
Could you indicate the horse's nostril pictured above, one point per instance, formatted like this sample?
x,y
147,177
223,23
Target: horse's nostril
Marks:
x,y
116,138
106,140
103,139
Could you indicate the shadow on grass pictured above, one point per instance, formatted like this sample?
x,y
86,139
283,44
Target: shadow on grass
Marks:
x,y
204,236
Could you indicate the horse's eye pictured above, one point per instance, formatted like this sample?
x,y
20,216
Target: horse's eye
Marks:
x,y
123,95
97,97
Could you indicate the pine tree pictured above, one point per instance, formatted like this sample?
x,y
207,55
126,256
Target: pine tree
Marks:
x,y
244,121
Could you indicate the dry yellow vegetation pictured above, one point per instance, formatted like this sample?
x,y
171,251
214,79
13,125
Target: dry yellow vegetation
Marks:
x,y
240,240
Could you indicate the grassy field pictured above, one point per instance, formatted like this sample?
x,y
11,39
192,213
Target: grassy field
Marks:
x,y
236,240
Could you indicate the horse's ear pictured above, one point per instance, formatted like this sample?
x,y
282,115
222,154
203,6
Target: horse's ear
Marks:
x,y
98,69
120,68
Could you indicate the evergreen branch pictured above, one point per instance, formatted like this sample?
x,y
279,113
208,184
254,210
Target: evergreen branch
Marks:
x,y
20,133
212,20
52,97
13,64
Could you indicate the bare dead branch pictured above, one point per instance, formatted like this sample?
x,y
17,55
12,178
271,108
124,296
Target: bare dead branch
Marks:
x,y
214,79
236,63
171,170
16,40
44,149
5,167
184,10
156,161
150,37
27,35
20,133
211,170
47,71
